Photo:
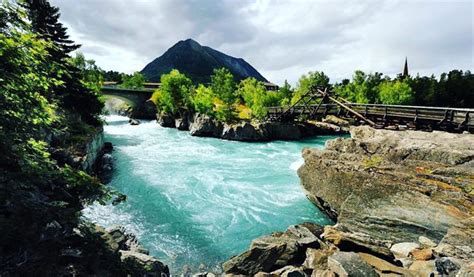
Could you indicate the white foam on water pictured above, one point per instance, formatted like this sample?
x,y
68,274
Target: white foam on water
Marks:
x,y
296,164
201,200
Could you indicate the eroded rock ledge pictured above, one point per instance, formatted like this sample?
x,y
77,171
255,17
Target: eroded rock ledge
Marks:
x,y
402,203
204,126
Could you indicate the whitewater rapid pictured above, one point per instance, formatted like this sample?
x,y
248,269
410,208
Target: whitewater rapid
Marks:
x,y
198,201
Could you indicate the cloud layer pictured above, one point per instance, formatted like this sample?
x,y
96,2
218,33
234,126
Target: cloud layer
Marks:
x,y
282,39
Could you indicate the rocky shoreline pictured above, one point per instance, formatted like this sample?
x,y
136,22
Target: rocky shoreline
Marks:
x,y
205,126
402,203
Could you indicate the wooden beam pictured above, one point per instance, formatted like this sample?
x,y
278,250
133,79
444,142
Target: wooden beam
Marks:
x,y
348,108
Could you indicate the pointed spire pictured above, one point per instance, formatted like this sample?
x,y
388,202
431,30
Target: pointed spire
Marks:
x,y
405,69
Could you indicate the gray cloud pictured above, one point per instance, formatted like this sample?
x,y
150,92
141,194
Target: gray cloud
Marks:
x,y
282,39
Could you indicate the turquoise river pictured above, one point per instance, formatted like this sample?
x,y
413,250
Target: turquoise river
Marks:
x,y
196,202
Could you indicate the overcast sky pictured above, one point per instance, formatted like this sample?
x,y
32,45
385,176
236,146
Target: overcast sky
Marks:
x,y
281,39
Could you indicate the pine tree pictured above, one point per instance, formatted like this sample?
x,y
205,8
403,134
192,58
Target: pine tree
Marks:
x,y
45,22
73,94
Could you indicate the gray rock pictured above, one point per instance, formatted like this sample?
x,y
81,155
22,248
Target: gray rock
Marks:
x,y
105,168
276,250
403,249
182,124
243,131
138,264
385,185
254,260
447,265
350,264
426,242
166,120
205,126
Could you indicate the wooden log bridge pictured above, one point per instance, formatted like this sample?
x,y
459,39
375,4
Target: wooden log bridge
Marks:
x,y
319,102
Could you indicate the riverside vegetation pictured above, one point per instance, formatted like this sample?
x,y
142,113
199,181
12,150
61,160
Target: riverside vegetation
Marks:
x,y
49,133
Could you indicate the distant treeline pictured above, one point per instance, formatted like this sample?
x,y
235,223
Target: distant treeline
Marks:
x,y
452,89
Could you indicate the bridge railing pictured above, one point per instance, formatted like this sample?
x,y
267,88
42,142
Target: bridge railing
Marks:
x,y
440,115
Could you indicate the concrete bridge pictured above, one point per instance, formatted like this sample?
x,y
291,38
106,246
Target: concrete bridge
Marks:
x,y
133,97
137,99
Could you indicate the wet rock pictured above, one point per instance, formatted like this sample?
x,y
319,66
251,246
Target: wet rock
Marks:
x,y
133,122
105,168
108,147
182,124
243,131
166,120
349,264
447,265
138,264
205,126
125,240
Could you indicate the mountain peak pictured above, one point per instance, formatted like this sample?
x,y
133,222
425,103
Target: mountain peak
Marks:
x,y
198,63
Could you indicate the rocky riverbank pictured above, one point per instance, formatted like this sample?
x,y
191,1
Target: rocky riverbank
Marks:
x,y
402,204
91,248
204,126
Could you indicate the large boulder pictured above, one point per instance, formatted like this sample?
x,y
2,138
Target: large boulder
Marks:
x,y
205,126
346,264
386,187
272,252
139,264
243,131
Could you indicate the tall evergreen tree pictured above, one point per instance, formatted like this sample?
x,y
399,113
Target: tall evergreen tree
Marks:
x,y
74,95
45,22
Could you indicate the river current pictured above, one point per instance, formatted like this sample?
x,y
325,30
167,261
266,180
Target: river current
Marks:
x,y
198,201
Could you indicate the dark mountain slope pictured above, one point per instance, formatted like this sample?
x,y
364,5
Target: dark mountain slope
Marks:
x,y
198,63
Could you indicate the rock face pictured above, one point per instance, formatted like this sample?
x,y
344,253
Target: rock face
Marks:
x,y
350,264
165,120
269,253
205,126
386,187
134,258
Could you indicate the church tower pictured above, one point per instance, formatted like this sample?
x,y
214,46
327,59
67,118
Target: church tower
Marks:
x,y
405,68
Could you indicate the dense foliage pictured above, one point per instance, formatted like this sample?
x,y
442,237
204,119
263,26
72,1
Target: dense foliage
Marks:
x,y
134,81
174,95
46,98
453,89
222,98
